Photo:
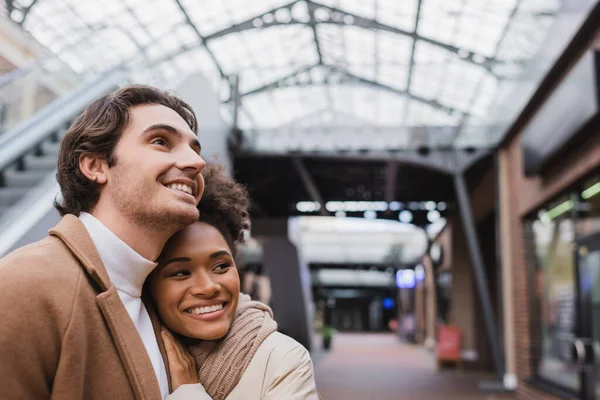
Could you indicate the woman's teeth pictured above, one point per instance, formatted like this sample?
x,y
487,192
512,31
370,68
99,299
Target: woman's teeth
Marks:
x,y
204,310
179,186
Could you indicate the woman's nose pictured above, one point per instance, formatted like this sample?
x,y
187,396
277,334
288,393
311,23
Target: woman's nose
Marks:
x,y
205,286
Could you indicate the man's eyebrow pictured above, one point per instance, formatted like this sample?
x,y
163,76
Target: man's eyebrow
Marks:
x,y
166,127
176,259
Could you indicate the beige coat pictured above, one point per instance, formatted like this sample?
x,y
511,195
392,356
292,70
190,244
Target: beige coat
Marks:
x,y
64,332
281,369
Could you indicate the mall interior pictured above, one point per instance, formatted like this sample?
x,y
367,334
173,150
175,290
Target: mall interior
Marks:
x,y
424,174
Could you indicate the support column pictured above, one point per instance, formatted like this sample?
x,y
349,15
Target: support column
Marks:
x,y
213,132
510,373
431,301
466,214
291,290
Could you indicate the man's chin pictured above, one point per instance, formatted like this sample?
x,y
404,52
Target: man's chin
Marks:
x,y
178,217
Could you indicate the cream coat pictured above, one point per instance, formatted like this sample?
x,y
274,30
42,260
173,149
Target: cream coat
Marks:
x,y
281,369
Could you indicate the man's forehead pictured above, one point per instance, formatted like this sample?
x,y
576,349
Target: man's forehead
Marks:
x,y
148,115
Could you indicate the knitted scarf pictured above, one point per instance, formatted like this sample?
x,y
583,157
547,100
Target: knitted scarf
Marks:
x,y
222,362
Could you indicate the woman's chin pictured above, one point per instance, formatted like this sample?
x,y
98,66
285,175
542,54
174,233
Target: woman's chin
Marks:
x,y
208,333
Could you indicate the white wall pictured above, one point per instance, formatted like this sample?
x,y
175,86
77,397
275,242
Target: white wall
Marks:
x,y
212,130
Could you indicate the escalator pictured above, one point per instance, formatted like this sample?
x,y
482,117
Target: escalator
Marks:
x,y
28,157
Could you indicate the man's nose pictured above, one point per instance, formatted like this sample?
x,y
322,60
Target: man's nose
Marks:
x,y
191,160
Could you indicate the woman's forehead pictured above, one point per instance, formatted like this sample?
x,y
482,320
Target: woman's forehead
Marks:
x,y
199,236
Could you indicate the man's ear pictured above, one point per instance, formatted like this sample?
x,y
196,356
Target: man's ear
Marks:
x,y
93,167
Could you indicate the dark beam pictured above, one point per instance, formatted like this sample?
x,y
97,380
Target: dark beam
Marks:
x,y
10,6
202,38
288,81
313,27
361,22
279,82
479,271
433,103
411,64
445,161
309,184
391,181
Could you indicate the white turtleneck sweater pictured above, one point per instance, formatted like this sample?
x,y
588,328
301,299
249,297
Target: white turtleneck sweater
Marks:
x,y
127,271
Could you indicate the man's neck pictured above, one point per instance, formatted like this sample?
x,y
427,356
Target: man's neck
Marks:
x,y
145,242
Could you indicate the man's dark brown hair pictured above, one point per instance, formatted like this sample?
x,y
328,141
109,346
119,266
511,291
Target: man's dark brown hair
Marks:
x,y
97,131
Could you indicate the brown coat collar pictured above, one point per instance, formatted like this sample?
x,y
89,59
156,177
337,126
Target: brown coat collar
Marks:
x,y
129,344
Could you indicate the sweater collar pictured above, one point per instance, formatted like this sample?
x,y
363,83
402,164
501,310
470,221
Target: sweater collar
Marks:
x,y
126,268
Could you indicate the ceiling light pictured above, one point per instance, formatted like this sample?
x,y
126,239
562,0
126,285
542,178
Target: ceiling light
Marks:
x,y
430,205
591,191
370,214
433,215
405,217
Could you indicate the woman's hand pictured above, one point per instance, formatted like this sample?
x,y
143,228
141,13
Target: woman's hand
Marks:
x,y
181,363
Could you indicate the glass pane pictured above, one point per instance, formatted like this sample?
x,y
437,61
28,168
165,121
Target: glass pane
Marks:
x,y
591,263
555,299
589,215
25,91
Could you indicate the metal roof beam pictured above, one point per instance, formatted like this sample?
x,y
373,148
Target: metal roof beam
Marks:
x,y
202,38
433,103
10,7
411,65
342,76
391,181
313,27
309,184
277,83
260,22
445,161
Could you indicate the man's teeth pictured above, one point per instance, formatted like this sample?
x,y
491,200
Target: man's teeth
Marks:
x,y
204,310
179,186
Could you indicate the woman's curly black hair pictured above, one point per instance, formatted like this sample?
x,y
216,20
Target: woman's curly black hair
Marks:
x,y
224,205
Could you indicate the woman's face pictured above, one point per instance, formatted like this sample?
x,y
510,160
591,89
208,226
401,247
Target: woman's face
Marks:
x,y
196,285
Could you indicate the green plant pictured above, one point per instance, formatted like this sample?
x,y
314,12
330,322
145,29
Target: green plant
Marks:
x,y
327,332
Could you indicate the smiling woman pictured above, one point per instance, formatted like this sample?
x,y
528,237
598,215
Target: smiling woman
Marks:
x,y
227,346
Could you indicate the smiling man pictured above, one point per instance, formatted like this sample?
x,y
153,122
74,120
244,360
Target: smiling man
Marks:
x,y
73,322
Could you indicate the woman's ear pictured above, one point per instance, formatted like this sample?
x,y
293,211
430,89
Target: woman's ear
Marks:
x,y
93,167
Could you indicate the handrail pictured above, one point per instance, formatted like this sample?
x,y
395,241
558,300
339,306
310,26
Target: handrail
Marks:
x,y
26,135
24,215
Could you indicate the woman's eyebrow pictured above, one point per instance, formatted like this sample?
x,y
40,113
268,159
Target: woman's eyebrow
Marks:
x,y
220,253
176,259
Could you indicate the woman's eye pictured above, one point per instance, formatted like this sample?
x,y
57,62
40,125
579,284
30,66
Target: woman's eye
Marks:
x,y
222,267
180,273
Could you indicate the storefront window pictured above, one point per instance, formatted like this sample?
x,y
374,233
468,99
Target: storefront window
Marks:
x,y
555,283
588,221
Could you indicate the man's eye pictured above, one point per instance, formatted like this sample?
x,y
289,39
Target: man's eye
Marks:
x,y
159,142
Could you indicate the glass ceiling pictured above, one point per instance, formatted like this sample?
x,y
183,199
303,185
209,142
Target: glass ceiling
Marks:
x,y
414,71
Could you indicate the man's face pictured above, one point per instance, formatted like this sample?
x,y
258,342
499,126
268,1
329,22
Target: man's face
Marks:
x,y
156,178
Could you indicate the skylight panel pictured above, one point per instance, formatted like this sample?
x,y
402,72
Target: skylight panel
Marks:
x,y
211,16
399,14
364,8
439,19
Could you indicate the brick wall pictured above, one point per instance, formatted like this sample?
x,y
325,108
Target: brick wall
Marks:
x,y
526,194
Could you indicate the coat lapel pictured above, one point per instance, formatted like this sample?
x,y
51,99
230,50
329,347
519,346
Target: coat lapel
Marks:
x,y
129,344
157,325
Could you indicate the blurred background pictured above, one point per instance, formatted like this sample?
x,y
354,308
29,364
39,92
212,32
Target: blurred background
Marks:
x,y
424,174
